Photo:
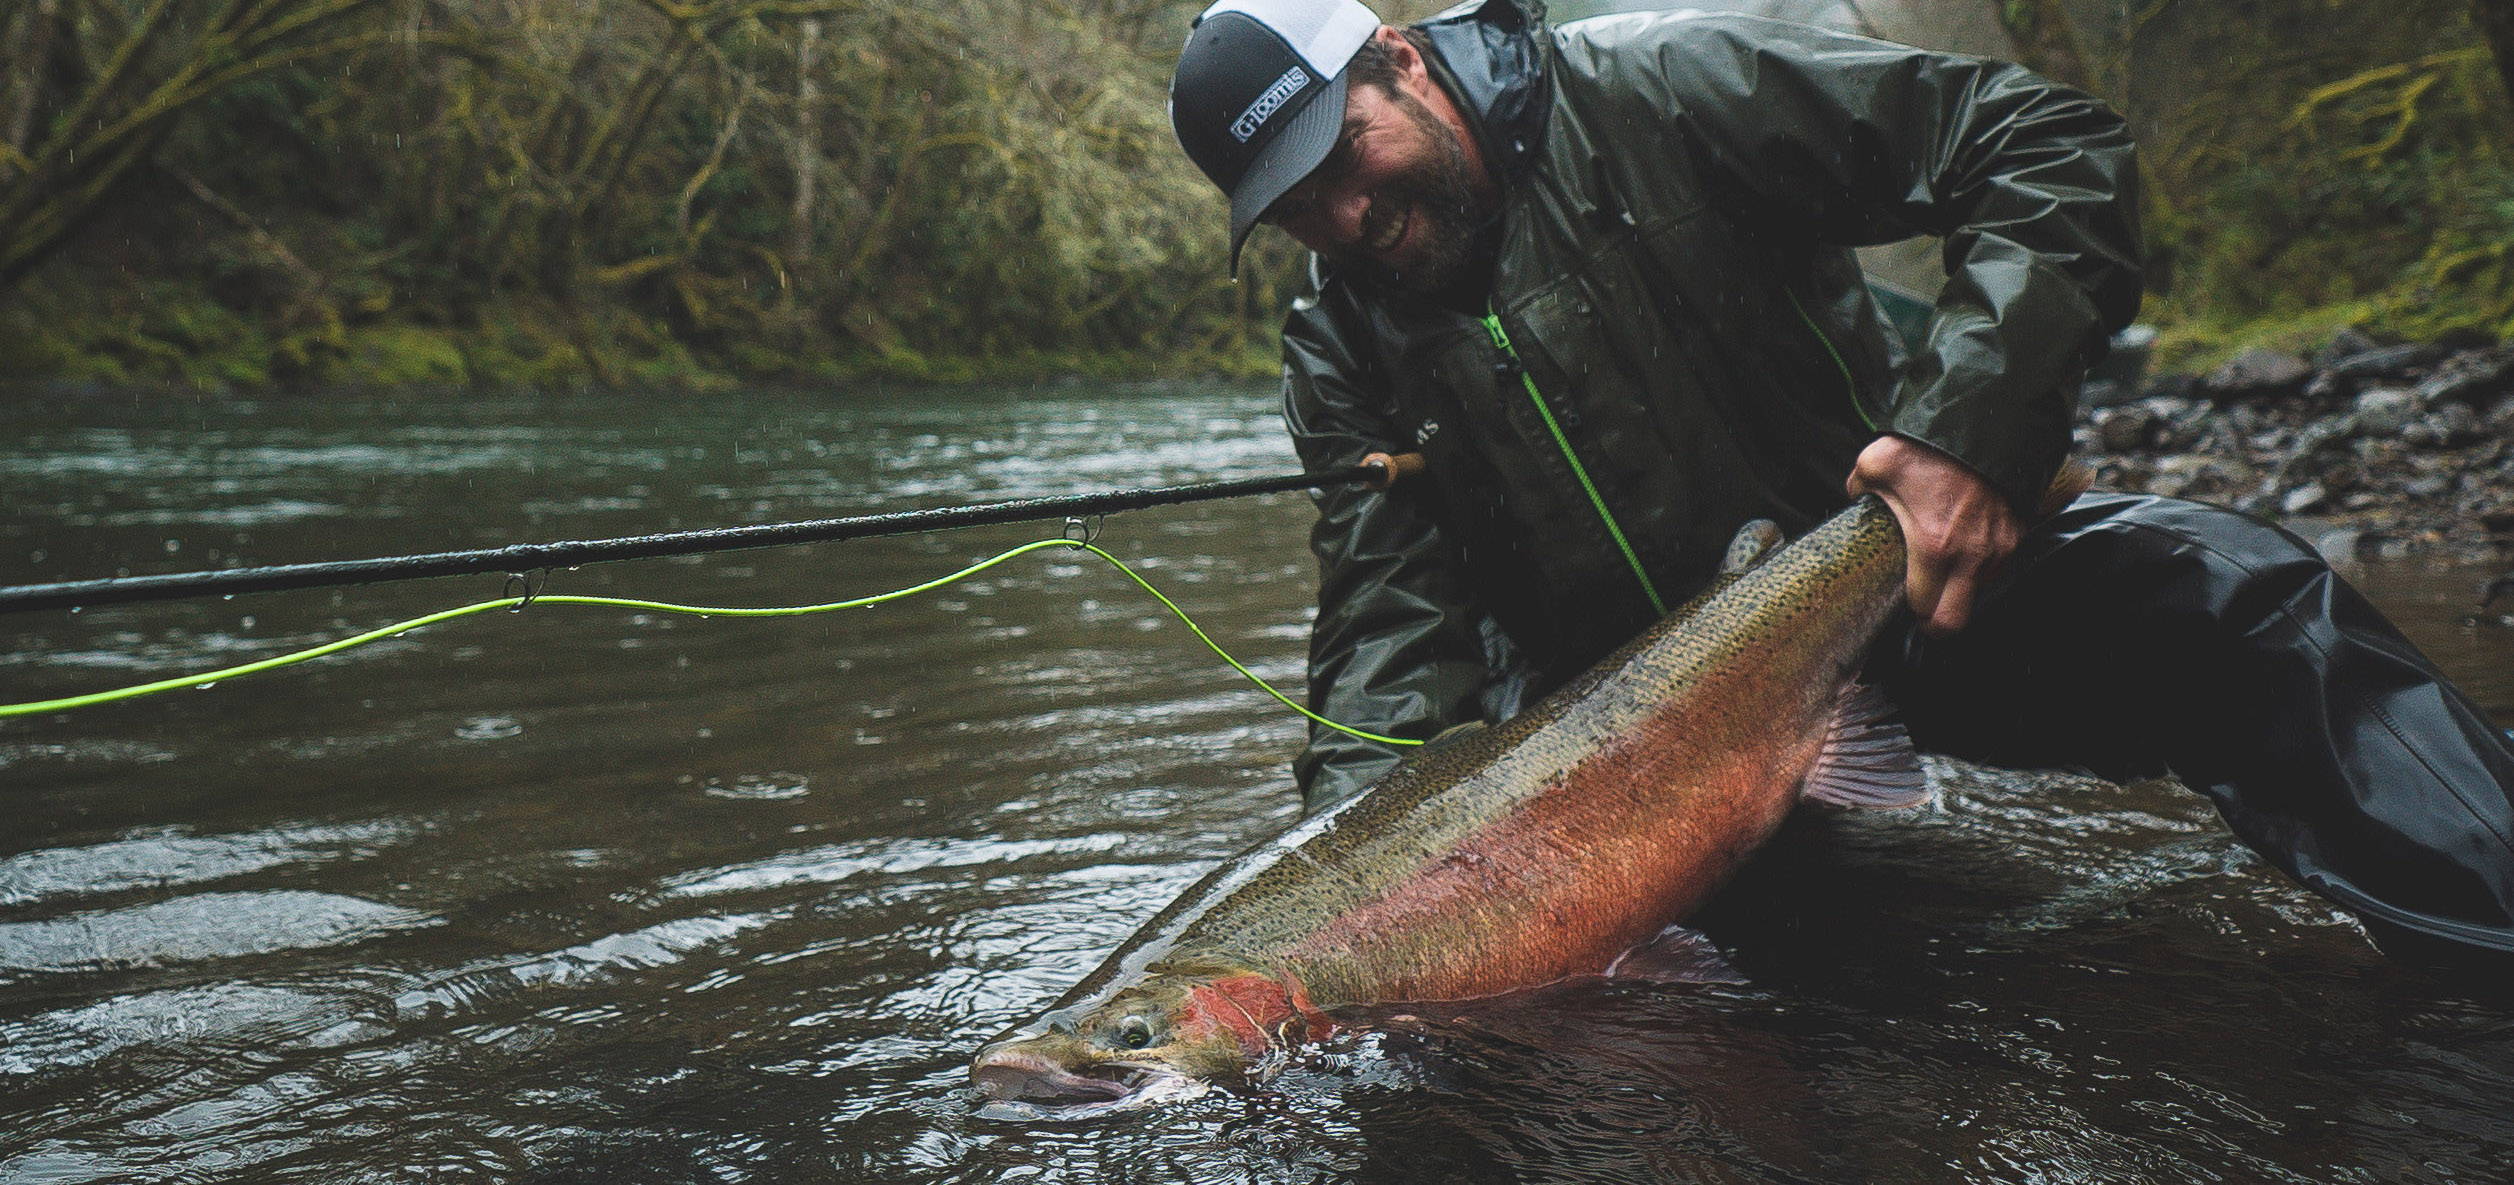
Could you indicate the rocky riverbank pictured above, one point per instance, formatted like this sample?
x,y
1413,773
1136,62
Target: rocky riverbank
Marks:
x,y
2371,448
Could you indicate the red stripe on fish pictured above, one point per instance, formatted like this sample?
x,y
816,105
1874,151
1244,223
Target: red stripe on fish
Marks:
x,y
1258,1011
1568,866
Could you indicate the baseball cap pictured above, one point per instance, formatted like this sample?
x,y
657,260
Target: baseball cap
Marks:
x,y
1258,97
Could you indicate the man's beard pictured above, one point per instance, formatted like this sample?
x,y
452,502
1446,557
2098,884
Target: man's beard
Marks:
x,y
1442,194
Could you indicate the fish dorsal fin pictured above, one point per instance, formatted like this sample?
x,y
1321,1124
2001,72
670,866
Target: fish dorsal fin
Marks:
x,y
1867,760
1749,545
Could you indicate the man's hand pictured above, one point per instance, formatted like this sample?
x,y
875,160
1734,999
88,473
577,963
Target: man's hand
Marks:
x,y
1957,530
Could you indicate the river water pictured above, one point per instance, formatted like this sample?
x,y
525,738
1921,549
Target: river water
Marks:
x,y
579,894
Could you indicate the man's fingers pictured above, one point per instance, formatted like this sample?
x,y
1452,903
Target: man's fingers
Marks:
x,y
1954,605
1956,530
1921,590
1924,570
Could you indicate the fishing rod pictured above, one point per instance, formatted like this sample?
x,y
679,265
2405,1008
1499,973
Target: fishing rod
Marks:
x,y
1379,470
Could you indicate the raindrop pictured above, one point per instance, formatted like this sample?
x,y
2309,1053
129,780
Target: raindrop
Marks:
x,y
769,787
205,686
489,728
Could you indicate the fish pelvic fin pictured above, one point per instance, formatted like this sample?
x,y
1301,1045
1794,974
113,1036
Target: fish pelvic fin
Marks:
x,y
1749,546
1867,759
1675,955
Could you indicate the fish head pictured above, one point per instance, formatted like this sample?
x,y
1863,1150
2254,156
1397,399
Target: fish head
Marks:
x,y
1158,1040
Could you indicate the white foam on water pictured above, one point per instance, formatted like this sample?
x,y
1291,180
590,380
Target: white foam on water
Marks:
x,y
199,927
211,1013
171,857
832,863
599,961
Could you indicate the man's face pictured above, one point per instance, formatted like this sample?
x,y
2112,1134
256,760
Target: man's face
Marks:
x,y
1397,199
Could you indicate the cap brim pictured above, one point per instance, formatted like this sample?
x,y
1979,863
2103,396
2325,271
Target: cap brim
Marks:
x,y
1294,153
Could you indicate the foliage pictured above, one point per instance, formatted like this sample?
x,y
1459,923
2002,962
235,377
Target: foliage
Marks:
x,y
239,192
2388,202
661,190
2309,164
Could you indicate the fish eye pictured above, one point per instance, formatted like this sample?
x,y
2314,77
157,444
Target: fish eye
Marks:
x,y
1134,1032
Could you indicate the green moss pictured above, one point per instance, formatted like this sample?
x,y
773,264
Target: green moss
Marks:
x,y
523,343
2196,346
758,360
398,355
35,347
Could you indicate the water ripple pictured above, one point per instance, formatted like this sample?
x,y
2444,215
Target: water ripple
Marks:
x,y
173,857
838,862
195,928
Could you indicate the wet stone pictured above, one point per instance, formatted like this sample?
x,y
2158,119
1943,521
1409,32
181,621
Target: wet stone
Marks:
x,y
2121,429
2415,440
2386,362
2256,373
2326,387
2105,393
2477,375
2348,343
2385,411
2457,423
2189,476
2430,486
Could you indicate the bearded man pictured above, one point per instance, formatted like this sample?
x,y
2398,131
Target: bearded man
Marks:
x,y
1600,276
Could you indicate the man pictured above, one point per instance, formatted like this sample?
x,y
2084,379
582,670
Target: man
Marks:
x,y
1600,276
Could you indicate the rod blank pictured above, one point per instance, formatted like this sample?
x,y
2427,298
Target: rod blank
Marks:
x,y
524,557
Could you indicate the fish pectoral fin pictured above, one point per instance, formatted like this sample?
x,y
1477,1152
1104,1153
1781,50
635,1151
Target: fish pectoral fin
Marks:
x,y
1675,955
1749,545
1867,759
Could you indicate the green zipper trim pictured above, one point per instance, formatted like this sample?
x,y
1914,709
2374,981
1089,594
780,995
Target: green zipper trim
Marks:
x,y
1501,340
1848,383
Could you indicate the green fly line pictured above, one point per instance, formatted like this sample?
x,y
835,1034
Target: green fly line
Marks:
x,y
206,678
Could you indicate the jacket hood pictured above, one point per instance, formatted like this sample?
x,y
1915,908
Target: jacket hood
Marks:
x,y
1490,54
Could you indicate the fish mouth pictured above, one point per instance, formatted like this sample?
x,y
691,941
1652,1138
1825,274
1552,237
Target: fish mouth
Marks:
x,y
1020,1085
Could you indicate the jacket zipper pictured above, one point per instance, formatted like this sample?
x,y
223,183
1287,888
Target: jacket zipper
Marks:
x,y
1527,381
1849,384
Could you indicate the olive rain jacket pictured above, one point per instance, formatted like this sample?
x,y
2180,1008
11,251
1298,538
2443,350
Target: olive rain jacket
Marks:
x,y
1679,340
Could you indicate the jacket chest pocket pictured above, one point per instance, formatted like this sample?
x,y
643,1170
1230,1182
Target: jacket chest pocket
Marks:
x,y
1613,341
1448,402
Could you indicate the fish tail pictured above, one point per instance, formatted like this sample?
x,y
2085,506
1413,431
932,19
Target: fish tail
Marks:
x,y
2072,480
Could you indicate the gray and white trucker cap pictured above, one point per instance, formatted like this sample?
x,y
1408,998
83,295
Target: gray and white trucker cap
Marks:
x,y
1258,97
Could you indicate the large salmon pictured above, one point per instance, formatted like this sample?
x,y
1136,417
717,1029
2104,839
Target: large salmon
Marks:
x,y
1539,849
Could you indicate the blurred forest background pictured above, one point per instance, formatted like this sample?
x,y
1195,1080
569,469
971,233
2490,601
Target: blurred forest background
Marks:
x,y
235,193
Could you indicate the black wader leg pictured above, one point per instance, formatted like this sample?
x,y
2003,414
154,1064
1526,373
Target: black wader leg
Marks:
x,y
2134,634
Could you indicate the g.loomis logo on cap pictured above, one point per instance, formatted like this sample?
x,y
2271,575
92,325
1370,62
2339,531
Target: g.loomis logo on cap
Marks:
x,y
1267,104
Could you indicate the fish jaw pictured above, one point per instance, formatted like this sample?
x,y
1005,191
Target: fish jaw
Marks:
x,y
1028,1081
1161,1040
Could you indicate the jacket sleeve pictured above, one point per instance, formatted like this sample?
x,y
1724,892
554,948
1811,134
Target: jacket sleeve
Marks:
x,y
2031,185
1394,650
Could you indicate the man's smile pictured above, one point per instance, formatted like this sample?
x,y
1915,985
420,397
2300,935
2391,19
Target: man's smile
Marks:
x,y
1386,242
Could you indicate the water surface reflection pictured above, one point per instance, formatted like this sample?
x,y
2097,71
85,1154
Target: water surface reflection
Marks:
x,y
587,895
